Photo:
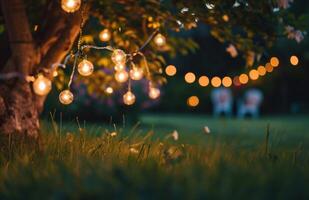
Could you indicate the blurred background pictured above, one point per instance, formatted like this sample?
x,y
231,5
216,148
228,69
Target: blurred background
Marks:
x,y
285,88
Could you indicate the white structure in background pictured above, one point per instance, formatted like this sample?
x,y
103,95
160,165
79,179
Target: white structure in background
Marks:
x,y
250,103
222,101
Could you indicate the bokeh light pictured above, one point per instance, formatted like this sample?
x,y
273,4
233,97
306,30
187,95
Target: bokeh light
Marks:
x,y
190,77
227,81
243,78
294,60
216,81
105,35
274,61
254,74
203,81
193,101
109,90
160,40
269,68
262,71
171,70
236,81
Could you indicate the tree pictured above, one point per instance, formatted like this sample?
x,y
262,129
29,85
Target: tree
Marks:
x,y
40,33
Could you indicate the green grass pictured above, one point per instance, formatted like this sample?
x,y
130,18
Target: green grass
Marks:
x,y
239,159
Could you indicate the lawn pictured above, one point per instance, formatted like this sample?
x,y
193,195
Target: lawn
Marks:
x,y
239,159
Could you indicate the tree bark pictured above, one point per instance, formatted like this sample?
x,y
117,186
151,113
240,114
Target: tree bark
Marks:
x,y
19,106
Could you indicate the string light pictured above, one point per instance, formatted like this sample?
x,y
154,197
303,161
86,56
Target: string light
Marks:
x,y
109,90
66,97
119,57
154,93
121,76
70,6
216,81
274,61
42,85
243,78
262,71
203,81
128,98
227,81
269,68
171,70
160,40
236,81
190,77
136,73
254,74
85,68
193,101
294,60
105,35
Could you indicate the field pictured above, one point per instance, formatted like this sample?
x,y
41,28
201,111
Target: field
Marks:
x,y
235,159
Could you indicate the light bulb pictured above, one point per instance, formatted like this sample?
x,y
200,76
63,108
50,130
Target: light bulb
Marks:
x,y
154,93
170,70
85,68
160,40
109,90
70,5
121,76
119,67
128,98
136,74
66,97
105,35
42,85
119,57
294,60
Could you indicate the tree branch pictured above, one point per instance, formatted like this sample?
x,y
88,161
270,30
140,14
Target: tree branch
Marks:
x,y
66,29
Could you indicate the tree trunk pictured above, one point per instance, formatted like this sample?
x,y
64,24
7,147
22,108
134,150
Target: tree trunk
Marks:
x,y
19,106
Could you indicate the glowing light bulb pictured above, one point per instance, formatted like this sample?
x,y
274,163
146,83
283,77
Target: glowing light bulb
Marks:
x,y
203,81
216,81
243,78
254,74
269,68
85,68
119,57
109,90
121,76
128,98
66,97
42,85
70,5
119,67
170,70
160,40
294,60
154,93
236,81
105,35
190,77
274,61
136,74
193,101
227,81
262,71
